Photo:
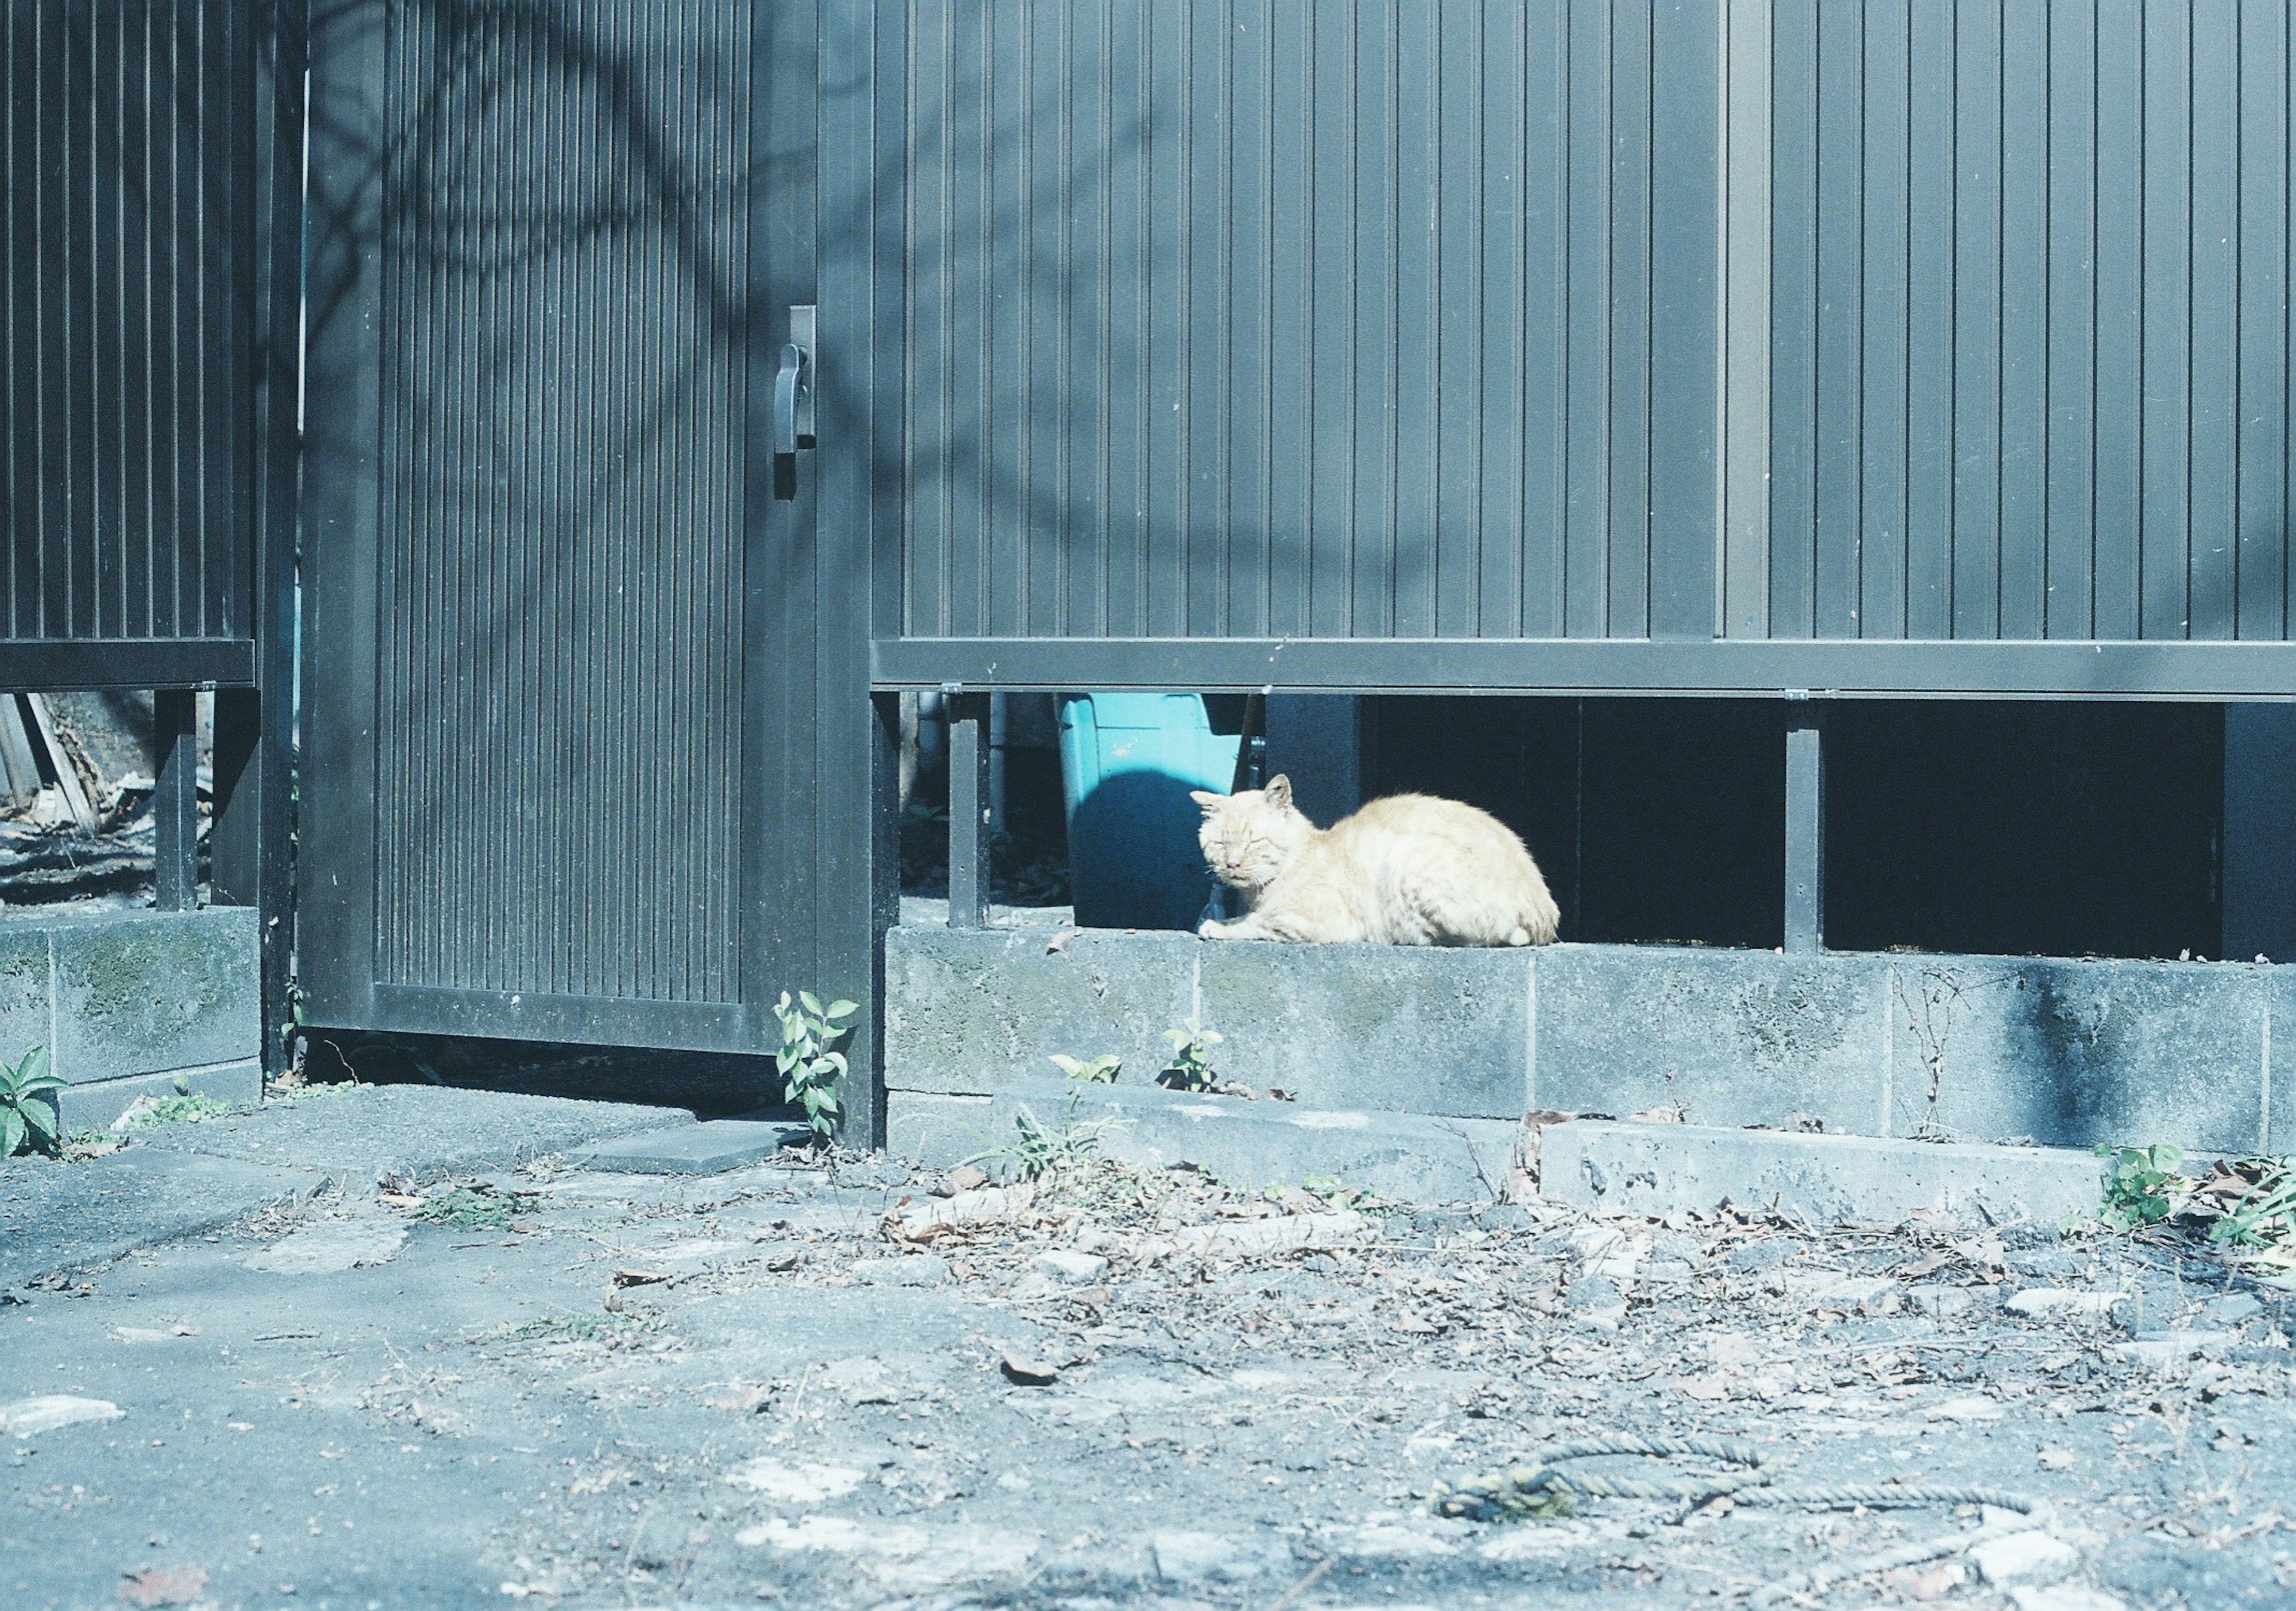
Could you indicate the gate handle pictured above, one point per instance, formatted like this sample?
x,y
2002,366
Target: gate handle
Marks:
x,y
792,390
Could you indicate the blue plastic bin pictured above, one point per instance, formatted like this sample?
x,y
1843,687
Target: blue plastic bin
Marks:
x,y
1127,762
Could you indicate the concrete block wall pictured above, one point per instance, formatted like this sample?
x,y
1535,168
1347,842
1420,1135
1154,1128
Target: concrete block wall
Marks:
x,y
133,1002
2058,1052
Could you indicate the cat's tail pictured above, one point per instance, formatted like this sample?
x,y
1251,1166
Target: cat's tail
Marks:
x,y
1518,935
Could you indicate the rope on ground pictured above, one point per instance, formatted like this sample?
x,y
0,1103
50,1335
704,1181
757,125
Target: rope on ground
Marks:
x,y
1540,1491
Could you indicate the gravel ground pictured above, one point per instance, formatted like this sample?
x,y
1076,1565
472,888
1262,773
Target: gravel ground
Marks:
x,y
1133,1389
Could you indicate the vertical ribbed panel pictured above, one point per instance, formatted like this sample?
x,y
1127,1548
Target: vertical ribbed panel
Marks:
x,y
1266,317
2031,315
563,416
128,155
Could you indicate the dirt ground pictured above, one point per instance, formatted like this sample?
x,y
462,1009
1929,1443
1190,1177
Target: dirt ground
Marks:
x,y
1127,1388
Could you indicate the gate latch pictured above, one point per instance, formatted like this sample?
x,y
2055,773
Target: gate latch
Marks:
x,y
793,413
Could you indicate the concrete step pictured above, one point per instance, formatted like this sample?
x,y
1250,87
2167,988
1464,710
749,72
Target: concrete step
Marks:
x,y
712,1148
1410,1158
1657,1169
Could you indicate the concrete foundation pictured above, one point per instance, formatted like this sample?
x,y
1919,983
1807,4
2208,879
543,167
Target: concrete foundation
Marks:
x,y
132,1002
1657,1169
2046,1051
94,1106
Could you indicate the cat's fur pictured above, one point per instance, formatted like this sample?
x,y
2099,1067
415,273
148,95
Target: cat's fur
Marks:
x,y
1410,870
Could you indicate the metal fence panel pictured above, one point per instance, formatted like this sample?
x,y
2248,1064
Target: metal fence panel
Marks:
x,y
2031,324
1257,318
1960,323
128,395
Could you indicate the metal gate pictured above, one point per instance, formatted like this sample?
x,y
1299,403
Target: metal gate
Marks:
x,y
569,623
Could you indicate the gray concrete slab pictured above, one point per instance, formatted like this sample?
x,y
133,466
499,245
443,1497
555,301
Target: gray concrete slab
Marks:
x,y
61,1217
764,1429
969,1010
145,991
1443,1032
1240,1141
712,1148
1657,1169
424,1132
2075,1054
95,1105
1730,1036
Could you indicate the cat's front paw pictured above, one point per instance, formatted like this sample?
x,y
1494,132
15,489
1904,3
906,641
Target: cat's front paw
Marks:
x,y
1212,929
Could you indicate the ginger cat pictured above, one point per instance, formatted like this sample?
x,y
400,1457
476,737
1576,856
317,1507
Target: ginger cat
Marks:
x,y
1406,871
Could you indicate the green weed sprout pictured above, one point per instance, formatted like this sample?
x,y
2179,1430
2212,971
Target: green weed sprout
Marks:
x,y
807,1060
26,1120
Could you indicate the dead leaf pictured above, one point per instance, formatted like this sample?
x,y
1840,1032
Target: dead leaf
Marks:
x,y
1665,1114
1413,1326
164,1585
640,1278
2057,1460
613,1300
1059,943
1986,1252
1028,1372
1927,1582
967,1179
745,1401
978,1205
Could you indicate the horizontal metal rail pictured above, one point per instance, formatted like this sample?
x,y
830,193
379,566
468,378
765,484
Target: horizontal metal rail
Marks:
x,y
37,666
1908,668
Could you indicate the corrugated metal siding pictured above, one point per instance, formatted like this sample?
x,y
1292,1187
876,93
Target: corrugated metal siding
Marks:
x,y
126,143
2030,340
564,394
1264,317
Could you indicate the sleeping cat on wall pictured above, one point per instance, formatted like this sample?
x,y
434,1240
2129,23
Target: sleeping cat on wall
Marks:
x,y
1406,871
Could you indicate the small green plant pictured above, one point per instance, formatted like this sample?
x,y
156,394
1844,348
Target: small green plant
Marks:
x,y
26,1118
185,1107
464,1209
2265,1215
581,1329
807,1060
2136,1181
1326,1189
1039,1149
1191,1068
1089,1071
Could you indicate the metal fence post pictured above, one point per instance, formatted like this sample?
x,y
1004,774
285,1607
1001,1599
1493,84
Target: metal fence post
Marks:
x,y
968,811
176,802
1805,925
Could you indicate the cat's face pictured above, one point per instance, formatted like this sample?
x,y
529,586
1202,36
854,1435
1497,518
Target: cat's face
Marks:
x,y
1248,838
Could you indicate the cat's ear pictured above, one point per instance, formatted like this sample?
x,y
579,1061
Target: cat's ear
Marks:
x,y
1279,791
1211,802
